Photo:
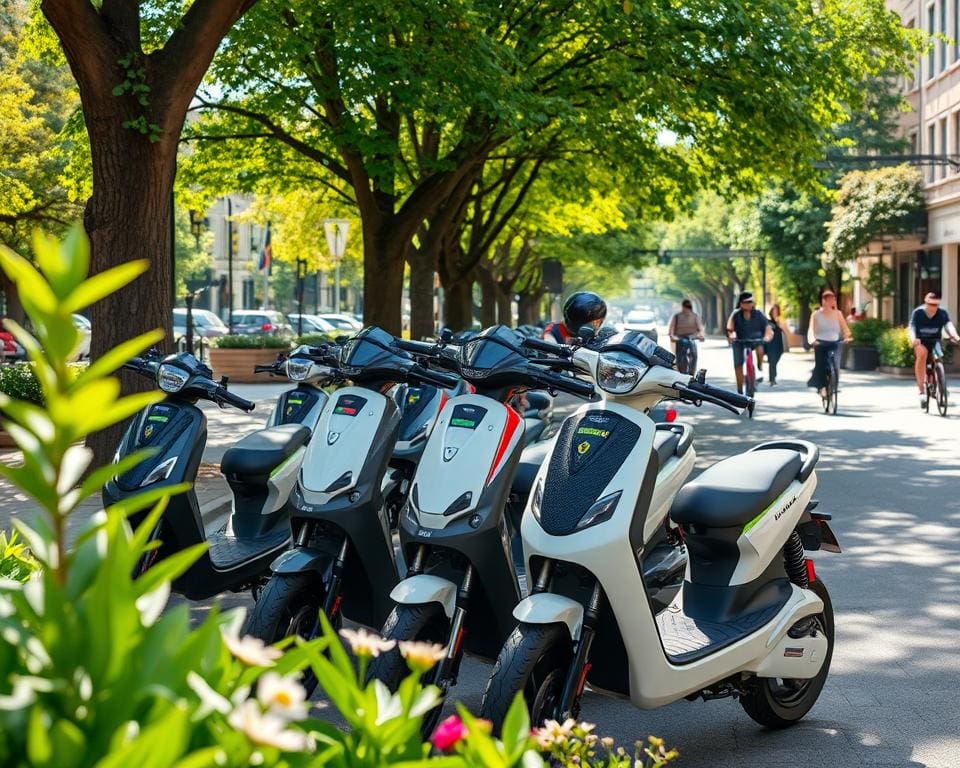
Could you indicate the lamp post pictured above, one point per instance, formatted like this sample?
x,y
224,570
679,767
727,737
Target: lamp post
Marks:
x,y
229,264
301,280
336,231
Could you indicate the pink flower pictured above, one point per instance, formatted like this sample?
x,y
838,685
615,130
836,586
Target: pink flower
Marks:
x,y
448,733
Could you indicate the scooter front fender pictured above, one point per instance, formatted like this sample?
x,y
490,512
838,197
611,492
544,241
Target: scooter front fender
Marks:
x,y
302,560
424,588
547,608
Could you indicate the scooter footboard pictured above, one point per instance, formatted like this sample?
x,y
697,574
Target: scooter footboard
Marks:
x,y
424,588
547,608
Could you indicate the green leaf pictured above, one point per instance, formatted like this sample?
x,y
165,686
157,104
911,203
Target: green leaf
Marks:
x,y
39,746
69,744
34,291
100,477
103,284
118,90
120,354
157,746
169,568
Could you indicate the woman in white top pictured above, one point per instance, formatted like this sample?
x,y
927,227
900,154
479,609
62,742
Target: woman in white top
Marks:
x,y
827,328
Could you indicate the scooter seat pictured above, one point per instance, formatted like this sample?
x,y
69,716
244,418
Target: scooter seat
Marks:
x,y
665,443
734,491
258,454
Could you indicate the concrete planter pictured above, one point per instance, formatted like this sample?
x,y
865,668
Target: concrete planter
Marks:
x,y
903,373
860,358
237,364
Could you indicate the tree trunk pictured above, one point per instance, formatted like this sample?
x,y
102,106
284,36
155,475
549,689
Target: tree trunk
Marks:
x,y
528,309
488,298
505,306
803,321
14,308
422,270
458,304
383,262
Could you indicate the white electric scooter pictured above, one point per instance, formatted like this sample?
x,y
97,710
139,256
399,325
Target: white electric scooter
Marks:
x,y
751,619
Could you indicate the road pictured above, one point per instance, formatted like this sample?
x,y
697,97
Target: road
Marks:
x,y
889,475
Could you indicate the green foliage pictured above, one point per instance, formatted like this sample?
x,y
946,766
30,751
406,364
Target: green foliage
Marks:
x,y
871,203
881,280
19,382
895,348
314,339
16,562
867,332
251,341
193,258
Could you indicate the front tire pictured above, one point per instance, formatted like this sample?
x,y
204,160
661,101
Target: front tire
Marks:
x,y
776,703
941,390
535,661
425,622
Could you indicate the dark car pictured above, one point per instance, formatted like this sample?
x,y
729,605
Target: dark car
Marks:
x,y
253,322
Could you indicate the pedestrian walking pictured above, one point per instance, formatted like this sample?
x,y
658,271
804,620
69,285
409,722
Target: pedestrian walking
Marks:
x,y
778,343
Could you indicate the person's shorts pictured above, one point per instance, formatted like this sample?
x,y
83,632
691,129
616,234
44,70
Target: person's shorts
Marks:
x,y
933,347
738,353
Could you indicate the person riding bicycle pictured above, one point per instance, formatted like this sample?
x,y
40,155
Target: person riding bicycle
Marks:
x,y
683,325
747,324
580,309
927,324
827,328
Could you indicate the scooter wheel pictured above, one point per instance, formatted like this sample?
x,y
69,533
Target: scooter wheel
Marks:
x,y
425,622
776,703
535,661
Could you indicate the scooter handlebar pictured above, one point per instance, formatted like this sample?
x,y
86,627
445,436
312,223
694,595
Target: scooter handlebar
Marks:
x,y
557,350
567,384
224,396
425,348
720,396
436,378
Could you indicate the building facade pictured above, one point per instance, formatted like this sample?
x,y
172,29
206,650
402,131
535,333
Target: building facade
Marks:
x,y
931,260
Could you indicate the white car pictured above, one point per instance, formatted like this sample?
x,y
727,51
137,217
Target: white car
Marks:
x,y
312,324
343,323
643,320
205,323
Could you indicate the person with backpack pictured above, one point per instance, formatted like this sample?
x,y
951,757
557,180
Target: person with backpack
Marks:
x,y
580,309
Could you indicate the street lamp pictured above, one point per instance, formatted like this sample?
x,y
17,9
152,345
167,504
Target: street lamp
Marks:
x,y
196,225
336,231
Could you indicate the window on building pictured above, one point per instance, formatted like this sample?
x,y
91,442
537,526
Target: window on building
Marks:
x,y
956,29
956,138
913,140
931,150
943,31
931,24
943,146
929,272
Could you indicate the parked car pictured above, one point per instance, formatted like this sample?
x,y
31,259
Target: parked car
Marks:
x,y
82,324
643,320
205,323
344,323
252,322
312,324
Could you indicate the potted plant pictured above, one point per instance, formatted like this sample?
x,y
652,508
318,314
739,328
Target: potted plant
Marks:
x,y
235,356
896,352
862,353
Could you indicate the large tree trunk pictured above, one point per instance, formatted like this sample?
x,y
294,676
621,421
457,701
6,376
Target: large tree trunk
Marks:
x,y
14,308
458,304
383,262
528,309
504,306
488,298
422,270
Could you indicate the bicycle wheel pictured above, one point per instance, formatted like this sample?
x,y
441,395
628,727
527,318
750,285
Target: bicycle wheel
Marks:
x,y
930,392
750,380
834,390
941,379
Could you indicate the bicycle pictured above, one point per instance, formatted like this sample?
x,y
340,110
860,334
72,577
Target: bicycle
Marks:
x,y
936,381
828,393
686,354
750,374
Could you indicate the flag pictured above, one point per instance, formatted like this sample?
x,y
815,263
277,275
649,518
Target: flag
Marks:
x,y
266,251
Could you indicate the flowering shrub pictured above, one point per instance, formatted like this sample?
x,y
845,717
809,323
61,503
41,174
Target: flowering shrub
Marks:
x,y
895,348
16,562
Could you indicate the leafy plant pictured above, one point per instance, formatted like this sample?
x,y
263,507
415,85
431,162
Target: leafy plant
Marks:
x,y
895,348
867,332
16,562
19,382
252,341
315,339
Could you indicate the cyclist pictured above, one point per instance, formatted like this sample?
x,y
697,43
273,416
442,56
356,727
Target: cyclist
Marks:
x,y
747,324
683,325
827,327
580,309
778,344
927,324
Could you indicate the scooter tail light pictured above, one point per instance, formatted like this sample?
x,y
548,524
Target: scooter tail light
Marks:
x,y
671,415
811,572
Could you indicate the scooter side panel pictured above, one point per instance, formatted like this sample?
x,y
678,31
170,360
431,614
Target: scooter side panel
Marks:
x,y
672,475
301,405
282,481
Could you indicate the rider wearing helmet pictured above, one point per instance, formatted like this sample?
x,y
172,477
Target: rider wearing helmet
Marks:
x,y
580,309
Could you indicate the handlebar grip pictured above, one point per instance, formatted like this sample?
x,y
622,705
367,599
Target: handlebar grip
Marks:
x,y
545,346
418,347
734,398
434,377
235,400
264,369
569,384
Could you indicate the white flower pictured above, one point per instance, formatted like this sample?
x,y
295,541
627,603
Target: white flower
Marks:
x,y
554,733
283,696
251,650
210,700
268,729
364,643
420,655
389,705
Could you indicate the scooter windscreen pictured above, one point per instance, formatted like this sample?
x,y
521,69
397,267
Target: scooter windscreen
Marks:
x,y
493,355
372,356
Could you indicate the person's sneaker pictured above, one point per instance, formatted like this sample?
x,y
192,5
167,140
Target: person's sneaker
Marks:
x,y
759,379
822,392
923,399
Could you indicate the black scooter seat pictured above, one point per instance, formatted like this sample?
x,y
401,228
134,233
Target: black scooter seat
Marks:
x,y
665,443
258,454
734,491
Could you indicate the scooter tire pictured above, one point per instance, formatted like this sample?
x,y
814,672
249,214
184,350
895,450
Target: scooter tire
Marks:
x,y
425,622
763,702
535,657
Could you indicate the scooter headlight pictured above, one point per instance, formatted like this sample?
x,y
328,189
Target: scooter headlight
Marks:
x,y
171,379
617,375
298,370
160,472
601,511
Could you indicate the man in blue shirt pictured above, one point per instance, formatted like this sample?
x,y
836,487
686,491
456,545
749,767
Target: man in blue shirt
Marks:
x,y
927,324
747,324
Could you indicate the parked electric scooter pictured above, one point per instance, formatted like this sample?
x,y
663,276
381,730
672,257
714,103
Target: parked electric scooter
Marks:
x,y
461,582
342,561
751,619
260,469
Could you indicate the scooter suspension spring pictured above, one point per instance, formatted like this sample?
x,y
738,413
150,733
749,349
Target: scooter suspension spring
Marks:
x,y
795,562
